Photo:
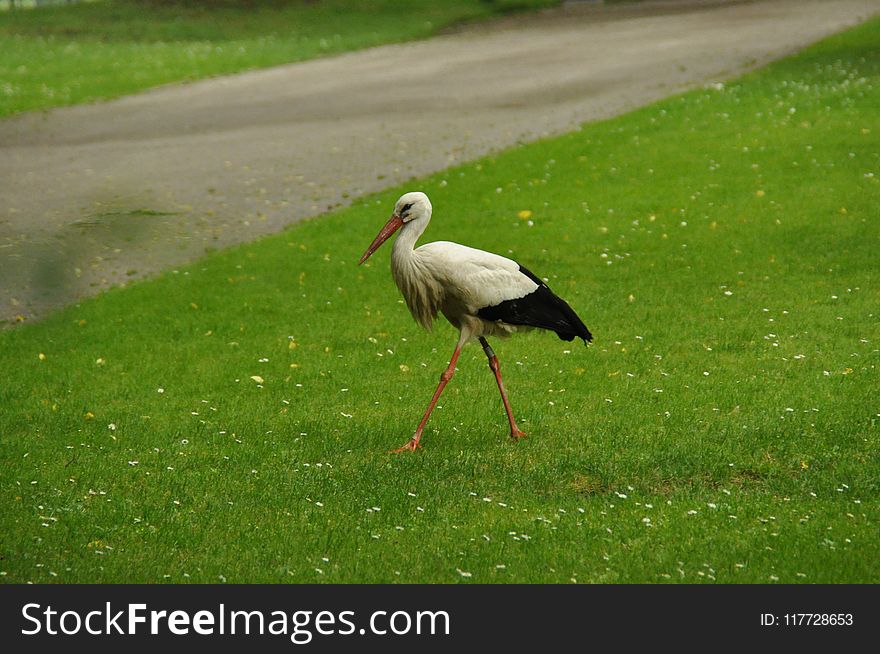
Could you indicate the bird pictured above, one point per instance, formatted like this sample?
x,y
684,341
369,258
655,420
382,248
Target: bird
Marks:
x,y
479,293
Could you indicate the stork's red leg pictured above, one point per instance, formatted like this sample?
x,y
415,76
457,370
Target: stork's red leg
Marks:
x,y
444,379
515,432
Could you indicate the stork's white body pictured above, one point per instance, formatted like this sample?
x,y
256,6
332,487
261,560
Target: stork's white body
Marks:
x,y
457,281
480,293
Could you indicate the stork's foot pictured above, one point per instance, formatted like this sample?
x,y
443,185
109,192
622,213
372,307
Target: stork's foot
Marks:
x,y
517,434
411,446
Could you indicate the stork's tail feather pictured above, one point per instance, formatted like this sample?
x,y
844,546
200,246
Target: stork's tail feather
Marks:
x,y
581,330
541,308
576,327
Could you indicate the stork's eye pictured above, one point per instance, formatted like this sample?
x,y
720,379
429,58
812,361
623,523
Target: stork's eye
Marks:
x,y
406,207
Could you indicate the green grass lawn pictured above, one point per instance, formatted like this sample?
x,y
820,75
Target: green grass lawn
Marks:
x,y
722,247
64,55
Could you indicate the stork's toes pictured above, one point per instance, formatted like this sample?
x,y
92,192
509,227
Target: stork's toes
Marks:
x,y
411,446
517,434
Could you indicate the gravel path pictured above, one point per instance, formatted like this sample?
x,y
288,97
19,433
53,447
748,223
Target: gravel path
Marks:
x,y
96,195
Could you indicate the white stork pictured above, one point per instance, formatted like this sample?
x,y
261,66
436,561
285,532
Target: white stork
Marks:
x,y
480,293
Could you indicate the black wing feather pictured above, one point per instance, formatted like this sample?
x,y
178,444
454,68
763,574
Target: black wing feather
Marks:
x,y
541,308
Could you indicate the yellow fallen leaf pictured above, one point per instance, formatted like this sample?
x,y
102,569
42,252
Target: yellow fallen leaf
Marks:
x,y
257,379
760,193
41,356
89,415
525,214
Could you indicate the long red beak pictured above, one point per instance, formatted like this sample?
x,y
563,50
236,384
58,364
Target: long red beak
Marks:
x,y
394,223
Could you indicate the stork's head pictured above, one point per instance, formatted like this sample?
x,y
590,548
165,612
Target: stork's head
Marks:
x,y
414,206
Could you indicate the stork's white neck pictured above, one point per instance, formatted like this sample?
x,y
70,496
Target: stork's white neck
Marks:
x,y
409,234
420,289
